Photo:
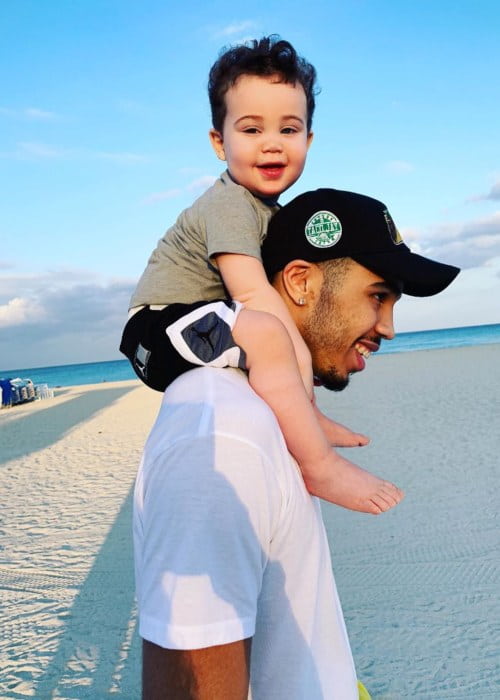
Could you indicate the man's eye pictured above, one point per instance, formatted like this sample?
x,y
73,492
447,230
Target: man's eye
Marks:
x,y
380,297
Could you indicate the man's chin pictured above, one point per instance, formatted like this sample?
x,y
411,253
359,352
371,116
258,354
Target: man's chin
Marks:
x,y
333,381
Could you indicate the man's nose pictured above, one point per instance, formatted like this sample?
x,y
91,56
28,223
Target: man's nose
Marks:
x,y
385,325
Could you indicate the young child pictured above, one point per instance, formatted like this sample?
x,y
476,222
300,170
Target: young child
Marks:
x,y
204,298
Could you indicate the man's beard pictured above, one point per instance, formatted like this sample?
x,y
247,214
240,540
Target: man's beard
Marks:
x,y
332,380
333,338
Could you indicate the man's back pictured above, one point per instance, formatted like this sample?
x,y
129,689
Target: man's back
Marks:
x,y
229,544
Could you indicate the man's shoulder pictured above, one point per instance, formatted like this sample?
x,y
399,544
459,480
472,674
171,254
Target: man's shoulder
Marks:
x,y
212,416
218,389
216,401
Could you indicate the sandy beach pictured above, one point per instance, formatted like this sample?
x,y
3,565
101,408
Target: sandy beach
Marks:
x,y
420,586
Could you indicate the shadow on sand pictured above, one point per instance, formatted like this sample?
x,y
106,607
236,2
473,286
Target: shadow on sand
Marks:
x,y
99,650
44,427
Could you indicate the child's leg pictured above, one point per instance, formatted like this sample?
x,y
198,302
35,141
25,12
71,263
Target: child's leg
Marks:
x,y
145,343
274,375
162,343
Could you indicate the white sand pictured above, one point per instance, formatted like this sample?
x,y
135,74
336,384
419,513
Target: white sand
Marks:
x,y
66,580
420,586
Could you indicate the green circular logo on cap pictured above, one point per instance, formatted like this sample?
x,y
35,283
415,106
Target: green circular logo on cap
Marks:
x,y
323,229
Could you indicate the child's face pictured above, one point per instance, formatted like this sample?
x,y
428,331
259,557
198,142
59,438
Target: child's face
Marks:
x,y
264,138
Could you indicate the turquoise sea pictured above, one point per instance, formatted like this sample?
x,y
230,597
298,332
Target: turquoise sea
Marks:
x,y
118,370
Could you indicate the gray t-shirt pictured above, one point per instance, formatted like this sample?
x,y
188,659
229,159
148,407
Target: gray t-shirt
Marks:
x,y
227,218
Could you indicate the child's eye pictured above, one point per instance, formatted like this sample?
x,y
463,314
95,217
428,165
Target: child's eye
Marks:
x,y
250,130
289,130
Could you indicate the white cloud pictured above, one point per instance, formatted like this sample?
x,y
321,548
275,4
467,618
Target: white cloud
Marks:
x,y
411,237
471,299
130,106
19,311
493,194
39,150
162,196
197,186
234,28
399,167
42,283
51,321
43,151
43,114
119,157
469,244
201,183
34,113
188,171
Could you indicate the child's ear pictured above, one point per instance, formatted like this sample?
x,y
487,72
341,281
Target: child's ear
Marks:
x,y
310,137
217,143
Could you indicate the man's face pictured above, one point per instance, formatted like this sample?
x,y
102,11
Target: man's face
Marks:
x,y
346,325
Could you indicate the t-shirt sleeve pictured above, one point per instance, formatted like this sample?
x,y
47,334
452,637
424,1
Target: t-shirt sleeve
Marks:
x,y
205,532
234,224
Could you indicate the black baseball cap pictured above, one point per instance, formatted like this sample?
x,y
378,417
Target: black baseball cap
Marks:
x,y
326,224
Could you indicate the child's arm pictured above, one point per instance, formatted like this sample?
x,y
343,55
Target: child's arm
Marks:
x,y
246,281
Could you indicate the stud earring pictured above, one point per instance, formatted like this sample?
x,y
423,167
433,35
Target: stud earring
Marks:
x,y
301,301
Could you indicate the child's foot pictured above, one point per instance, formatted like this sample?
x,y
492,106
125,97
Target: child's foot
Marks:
x,y
339,435
349,486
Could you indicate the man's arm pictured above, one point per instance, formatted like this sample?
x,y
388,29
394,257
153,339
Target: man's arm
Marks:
x,y
220,672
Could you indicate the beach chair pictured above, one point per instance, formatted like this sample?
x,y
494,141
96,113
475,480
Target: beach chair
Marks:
x,y
22,390
6,392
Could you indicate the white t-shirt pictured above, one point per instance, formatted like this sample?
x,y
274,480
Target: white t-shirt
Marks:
x,y
229,544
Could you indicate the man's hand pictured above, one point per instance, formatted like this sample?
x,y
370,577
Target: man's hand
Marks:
x,y
220,672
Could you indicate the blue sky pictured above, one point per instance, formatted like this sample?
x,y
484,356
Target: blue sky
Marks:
x,y
103,140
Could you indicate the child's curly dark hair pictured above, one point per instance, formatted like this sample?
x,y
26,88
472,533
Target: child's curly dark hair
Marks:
x,y
268,56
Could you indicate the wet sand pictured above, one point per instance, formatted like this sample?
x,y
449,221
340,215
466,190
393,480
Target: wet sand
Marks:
x,y
420,586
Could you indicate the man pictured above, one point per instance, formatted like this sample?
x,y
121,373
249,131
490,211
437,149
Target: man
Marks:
x,y
236,594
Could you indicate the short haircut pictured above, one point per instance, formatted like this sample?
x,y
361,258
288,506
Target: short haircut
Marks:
x,y
265,57
334,272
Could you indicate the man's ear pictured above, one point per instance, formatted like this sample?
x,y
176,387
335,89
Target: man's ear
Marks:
x,y
217,143
301,281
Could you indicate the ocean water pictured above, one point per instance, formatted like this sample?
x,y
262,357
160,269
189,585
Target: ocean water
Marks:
x,y
443,338
118,370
